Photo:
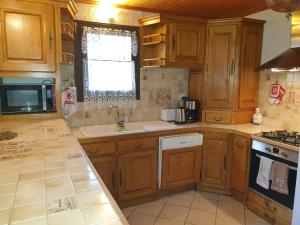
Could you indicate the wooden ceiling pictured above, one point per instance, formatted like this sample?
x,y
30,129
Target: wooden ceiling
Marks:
x,y
198,8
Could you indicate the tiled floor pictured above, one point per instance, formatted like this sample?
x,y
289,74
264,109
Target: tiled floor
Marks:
x,y
192,208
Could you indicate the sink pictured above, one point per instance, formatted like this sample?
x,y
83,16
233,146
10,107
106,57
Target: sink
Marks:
x,y
112,129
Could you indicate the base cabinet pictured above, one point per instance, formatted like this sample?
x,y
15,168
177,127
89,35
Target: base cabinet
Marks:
x,y
215,173
181,167
137,174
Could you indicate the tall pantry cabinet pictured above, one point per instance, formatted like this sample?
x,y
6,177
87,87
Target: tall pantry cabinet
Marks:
x,y
233,53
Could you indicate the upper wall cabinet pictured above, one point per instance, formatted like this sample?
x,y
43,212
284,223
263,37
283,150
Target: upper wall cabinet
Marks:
x,y
169,41
27,36
233,53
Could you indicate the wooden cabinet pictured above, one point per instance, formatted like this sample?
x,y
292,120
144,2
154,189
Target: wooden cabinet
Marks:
x,y
27,36
240,165
215,173
106,168
232,55
181,167
169,41
137,174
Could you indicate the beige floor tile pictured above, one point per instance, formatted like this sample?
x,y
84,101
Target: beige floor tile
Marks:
x,y
6,201
182,199
205,204
4,216
150,208
56,172
8,189
141,219
30,197
9,179
31,176
58,181
26,212
91,199
66,218
55,165
198,217
252,217
87,186
59,192
234,209
250,222
229,220
32,168
41,221
100,215
174,212
162,221
10,170
163,199
127,213
30,186
206,195
131,208
226,198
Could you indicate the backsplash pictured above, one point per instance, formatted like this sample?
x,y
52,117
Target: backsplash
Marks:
x,y
285,115
159,88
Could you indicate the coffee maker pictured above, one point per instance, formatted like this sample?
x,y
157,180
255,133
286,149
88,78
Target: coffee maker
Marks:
x,y
192,108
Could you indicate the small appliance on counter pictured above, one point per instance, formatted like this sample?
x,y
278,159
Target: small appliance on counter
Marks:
x,y
180,116
192,110
167,114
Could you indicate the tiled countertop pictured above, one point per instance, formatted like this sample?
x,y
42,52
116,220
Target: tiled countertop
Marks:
x,y
46,178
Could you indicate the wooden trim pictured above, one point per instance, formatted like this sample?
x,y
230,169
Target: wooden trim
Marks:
x,y
79,24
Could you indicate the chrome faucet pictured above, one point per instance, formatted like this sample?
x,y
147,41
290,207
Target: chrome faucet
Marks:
x,y
120,119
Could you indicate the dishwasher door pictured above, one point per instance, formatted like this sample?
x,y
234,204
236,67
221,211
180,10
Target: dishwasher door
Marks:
x,y
169,143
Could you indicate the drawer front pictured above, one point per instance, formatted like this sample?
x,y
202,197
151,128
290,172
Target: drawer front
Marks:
x,y
137,144
96,149
218,117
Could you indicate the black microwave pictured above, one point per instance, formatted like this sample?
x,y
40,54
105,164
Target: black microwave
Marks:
x,y
27,98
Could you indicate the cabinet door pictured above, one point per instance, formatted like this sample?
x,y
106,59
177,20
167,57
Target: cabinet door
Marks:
x,y
105,167
181,167
239,164
220,66
27,36
215,150
137,174
250,60
187,43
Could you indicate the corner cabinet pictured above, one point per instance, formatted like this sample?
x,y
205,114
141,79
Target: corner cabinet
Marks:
x,y
233,53
216,159
169,41
27,36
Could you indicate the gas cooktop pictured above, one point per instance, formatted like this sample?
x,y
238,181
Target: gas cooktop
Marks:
x,y
283,136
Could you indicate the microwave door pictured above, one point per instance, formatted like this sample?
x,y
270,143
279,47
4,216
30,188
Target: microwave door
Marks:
x,y
24,99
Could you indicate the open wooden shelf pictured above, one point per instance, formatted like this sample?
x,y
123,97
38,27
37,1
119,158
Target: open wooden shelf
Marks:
x,y
67,32
154,39
154,62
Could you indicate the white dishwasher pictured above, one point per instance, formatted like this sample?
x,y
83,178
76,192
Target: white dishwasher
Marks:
x,y
169,143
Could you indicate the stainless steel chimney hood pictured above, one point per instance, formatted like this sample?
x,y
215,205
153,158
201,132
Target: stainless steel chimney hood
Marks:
x,y
290,59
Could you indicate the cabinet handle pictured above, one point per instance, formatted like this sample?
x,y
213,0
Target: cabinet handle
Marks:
x,y
218,119
225,161
232,68
50,40
120,178
173,43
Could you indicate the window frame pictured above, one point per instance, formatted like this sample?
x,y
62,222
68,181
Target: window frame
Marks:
x,y
78,65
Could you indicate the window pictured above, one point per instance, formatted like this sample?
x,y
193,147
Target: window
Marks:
x,y
107,62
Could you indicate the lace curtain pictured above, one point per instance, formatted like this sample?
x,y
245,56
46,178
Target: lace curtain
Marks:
x,y
108,65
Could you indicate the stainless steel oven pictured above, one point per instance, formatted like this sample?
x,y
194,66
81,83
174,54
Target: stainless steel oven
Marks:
x,y
275,153
27,98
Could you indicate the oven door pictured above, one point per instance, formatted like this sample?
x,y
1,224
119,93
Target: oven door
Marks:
x,y
286,200
21,99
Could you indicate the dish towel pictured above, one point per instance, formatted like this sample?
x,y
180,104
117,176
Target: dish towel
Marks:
x,y
263,177
280,178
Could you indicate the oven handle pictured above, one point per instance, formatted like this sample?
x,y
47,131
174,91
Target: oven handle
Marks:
x,y
291,167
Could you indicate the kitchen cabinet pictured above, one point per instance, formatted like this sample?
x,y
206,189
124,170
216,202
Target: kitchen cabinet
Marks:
x,y
172,41
27,36
240,167
137,174
106,168
233,53
215,174
181,167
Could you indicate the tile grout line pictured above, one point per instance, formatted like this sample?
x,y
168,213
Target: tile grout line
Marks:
x,y
158,216
190,207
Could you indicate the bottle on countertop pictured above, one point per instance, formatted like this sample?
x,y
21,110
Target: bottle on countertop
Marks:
x,y
257,117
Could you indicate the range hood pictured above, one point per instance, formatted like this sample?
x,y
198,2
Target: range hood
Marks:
x,y
290,59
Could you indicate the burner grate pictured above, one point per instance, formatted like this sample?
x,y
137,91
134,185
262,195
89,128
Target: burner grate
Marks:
x,y
292,138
